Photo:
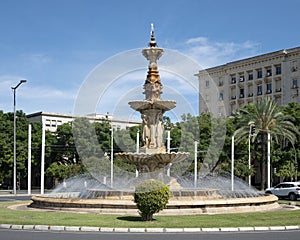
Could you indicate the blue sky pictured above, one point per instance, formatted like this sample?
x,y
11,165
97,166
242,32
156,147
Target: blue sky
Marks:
x,y
55,44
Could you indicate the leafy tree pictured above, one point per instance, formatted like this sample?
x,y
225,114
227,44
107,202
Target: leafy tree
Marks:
x,y
6,147
267,117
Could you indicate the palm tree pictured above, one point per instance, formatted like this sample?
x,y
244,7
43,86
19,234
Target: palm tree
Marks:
x,y
267,117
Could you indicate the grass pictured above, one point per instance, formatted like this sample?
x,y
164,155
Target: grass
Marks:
x,y
25,217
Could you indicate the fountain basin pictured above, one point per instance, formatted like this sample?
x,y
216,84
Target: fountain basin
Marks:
x,y
188,205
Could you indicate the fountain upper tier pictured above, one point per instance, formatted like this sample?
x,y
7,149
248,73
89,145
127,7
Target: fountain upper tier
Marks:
x,y
153,107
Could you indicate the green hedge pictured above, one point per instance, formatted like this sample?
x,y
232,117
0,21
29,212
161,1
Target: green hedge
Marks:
x,y
151,197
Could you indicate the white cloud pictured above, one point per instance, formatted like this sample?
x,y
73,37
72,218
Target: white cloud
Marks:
x,y
211,53
36,59
32,97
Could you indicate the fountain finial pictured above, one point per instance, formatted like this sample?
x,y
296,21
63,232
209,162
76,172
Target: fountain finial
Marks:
x,y
152,41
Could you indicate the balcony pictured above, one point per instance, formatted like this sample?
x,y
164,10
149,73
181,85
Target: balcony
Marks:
x,y
269,73
258,81
269,91
294,69
233,80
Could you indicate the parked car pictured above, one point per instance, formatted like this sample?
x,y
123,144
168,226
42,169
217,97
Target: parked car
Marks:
x,y
290,190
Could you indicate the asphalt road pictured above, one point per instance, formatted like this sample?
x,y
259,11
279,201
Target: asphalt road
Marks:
x,y
11,198
34,235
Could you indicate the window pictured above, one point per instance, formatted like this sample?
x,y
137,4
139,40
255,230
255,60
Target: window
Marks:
x,y
242,78
250,76
259,73
259,90
295,83
278,70
206,98
242,91
269,88
207,83
294,66
269,72
233,79
221,96
48,123
53,123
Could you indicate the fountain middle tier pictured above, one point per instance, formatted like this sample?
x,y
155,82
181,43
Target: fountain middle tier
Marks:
x,y
158,104
147,162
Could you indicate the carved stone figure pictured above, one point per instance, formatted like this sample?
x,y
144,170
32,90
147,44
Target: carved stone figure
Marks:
x,y
146,131
159,130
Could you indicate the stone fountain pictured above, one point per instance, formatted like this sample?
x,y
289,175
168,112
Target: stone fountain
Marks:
x,y
151,161
152,158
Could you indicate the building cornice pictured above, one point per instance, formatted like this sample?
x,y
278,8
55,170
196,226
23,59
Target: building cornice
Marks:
x,y
251,61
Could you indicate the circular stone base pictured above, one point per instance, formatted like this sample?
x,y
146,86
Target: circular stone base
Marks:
x,y
187,205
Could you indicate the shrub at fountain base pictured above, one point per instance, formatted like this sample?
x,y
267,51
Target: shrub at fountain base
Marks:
x,y
151,197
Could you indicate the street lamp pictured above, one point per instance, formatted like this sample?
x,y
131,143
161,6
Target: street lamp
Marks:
x,y
251,133
112,157
169,149
195,164
232,163
15,147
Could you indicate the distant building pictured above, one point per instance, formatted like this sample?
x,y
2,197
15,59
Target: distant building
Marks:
x,y
274,74
53,120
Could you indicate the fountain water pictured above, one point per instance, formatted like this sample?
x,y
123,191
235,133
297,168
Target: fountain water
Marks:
x,y
151,161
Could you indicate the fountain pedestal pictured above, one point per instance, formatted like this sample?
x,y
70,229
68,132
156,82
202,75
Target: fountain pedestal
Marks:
x,y
152,159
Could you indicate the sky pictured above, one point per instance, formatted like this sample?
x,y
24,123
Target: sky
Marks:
x,y
56,45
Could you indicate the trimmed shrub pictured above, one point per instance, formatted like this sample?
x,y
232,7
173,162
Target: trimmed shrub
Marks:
x,y
151,197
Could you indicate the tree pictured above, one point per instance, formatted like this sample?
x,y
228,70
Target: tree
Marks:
x,y
151,197
6,147
267,117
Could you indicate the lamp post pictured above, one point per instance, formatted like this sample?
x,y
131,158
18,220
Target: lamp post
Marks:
x,y
195,164
29,160
112,157
169,149
269,160
137,149
15,146
251,133
232,163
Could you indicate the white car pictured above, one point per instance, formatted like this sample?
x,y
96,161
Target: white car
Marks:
x,y
290,190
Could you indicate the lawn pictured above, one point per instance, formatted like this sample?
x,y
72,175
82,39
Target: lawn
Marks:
x,y
25,217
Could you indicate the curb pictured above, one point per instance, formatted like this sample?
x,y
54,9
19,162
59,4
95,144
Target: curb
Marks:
x,y
144,230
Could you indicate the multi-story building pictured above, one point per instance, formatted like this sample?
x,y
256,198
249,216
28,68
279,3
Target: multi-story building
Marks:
x,y
230,86
53,120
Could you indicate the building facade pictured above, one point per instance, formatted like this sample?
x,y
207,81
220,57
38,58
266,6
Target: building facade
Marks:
x,y
235,84
53,120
